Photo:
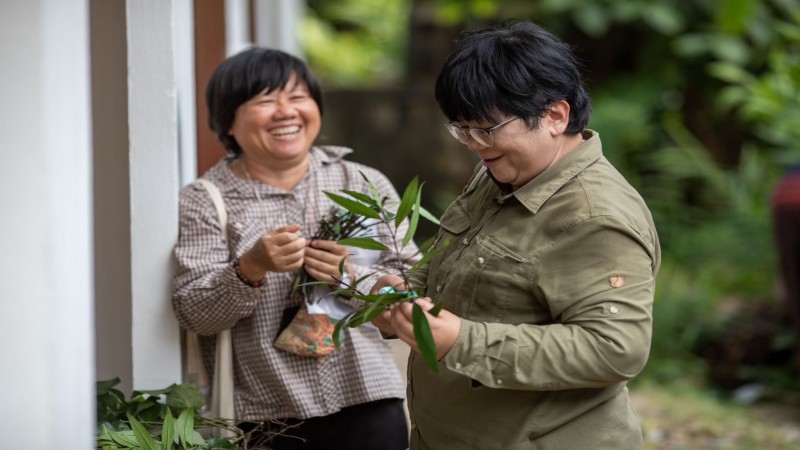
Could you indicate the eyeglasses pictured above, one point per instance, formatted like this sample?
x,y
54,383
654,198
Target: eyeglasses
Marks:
x,y
482,136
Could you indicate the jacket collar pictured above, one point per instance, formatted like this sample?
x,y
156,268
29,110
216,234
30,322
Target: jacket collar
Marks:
x,y
537,191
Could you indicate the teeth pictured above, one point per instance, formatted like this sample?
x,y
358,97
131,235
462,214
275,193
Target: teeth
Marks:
x,y
283,131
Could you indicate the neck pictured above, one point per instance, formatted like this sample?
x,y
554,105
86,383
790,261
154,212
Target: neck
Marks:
x,y
285,178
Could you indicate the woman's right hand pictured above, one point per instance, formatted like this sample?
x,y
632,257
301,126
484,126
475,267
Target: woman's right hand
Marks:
x,y
280,250
384,320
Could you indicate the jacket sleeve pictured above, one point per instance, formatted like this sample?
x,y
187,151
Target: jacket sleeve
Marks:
x,y
207,297
598,281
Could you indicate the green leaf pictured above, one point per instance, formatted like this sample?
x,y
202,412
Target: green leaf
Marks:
x,y
414,221
143,436
424,260
220,443
407,202
184,396
168,431
363,242
125,438
424,337
353,206
373,298
185,427
197,438
361,197
373,190
104,387
427,215
341,265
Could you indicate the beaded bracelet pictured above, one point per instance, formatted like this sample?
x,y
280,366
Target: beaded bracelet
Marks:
x,y
245,280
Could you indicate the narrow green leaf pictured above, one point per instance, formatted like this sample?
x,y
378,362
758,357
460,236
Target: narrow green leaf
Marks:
x,y
341,265
361,197
421,263
373,190
424,337
168,431
427,215
363,242
185,427
143,436
353,206
372,298
407,202
414,221
125,438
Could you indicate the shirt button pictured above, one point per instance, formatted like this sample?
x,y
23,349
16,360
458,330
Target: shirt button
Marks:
x,y
238,225
613,310
465,241
439,288
481,260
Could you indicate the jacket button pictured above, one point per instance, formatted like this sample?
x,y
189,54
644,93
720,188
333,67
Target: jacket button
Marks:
x,y
465,241
481,260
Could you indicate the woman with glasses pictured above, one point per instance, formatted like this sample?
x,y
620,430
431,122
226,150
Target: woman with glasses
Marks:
x,y
545,266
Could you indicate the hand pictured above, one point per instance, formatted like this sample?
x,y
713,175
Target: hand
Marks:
x,y
444,327
280,250
322,259
384,320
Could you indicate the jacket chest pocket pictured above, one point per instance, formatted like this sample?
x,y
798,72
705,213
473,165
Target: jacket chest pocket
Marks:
x,y
502,289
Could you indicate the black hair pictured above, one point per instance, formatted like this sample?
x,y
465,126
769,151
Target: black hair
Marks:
x,y
244,75
518,70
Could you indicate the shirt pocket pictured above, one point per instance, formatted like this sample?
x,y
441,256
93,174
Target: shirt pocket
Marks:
x,y
502,288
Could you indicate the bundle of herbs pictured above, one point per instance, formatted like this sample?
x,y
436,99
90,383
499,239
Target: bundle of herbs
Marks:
x,y
351,227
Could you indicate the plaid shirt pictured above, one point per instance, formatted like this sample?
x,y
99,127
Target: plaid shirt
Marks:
x,y
208,297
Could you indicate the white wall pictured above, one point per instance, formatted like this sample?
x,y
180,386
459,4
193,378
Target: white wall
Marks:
x,y
46,338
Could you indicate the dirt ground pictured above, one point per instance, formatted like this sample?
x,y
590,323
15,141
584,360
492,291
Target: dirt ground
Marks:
x,y
686,418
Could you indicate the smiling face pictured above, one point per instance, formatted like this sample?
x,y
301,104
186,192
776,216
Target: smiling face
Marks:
x,y
277,129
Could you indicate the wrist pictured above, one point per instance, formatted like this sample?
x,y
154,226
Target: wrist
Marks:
x,y
247,277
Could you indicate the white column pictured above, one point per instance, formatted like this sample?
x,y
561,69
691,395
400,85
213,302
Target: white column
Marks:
x,y
46,337
153,129
184,75
237,26
277,22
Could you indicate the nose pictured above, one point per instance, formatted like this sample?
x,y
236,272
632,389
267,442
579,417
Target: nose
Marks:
x,y
284,109
474,145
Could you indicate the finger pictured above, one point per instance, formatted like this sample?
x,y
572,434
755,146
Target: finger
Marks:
x,y
291,247
330,246
323,255
284,238
293,228
288,262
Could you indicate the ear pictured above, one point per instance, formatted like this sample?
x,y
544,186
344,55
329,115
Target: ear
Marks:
x,y
557,117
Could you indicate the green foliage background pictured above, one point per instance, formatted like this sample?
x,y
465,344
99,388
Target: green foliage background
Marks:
x,y
696,102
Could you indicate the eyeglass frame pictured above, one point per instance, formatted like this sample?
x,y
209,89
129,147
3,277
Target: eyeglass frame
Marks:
x,y
458,132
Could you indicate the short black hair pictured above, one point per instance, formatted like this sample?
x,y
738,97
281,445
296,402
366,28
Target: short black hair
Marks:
x,y
242,76
518,70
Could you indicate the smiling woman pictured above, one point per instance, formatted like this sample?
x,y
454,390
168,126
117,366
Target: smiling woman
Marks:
x,y
541,305
266,107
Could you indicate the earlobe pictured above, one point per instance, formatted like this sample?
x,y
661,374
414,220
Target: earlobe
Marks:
x,y
558,117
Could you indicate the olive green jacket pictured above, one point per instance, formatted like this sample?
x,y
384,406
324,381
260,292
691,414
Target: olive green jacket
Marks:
x,y
554,284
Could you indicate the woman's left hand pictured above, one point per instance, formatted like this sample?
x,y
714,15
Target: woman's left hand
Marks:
x,y
444,327
322,260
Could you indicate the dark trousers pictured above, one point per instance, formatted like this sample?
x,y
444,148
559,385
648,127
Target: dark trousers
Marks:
x,y
378,425
787,235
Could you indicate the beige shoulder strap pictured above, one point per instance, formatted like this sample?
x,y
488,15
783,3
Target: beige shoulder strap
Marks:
x,y
222,390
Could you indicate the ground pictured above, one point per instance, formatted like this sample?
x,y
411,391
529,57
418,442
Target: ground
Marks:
x,y
676,418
